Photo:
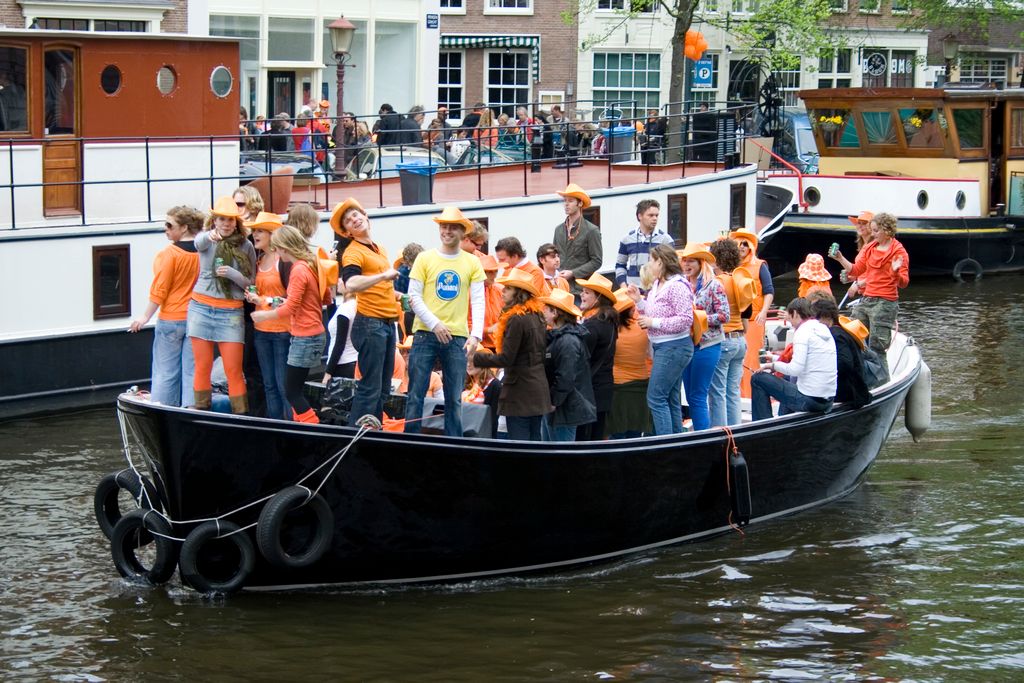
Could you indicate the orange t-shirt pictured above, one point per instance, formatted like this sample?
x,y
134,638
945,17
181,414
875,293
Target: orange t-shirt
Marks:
x,y
876,267
493,303
632,361
175,271
269,284
303,303
377,301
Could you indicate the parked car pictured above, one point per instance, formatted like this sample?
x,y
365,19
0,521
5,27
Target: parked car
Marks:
x,y
795,141
370,161
256,163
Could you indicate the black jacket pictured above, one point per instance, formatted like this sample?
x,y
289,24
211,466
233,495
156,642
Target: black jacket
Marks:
x,y
601,346
850,385
567,365
411,133
389,131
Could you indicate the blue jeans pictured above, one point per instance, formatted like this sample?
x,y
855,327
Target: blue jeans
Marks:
x,y
524,428
425,349
374,339
724,398
669,363
272,354
551,433
764,386
697,380
173,365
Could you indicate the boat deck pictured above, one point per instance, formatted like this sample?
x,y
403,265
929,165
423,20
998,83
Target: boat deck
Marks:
x,y
501,182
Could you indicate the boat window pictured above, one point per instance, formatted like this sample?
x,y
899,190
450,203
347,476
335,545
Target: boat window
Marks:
x,y
110,79
13,105
1017,127
922,200
111,286
737,205
677,217
60,92
961,200
166,80
970,127
923,127
879,128
812,195
221,81
593,214
836,127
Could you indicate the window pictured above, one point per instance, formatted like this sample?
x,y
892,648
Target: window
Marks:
x,y
901,6
970,127
878,127
630,5
221,81
60,92
593,214
625,78
707,6
508,7
1017,127
449,81
452,4
870,6
706,93
835,126
882,68
13,103
737,205
837,6
508,80
834,68
120,25
979,69
48,24
111,287
922,127
110,79
677,218
166,80
789,86
289,40
745,6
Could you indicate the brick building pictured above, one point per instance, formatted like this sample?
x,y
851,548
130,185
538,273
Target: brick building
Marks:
x,y
506,52
141,16
995,57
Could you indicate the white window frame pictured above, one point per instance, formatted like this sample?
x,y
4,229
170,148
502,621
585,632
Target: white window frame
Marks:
x,y
902,10
969,72
708,6
548,97
84,10
788,89
839,8
646,89
486,70
489,9
869,10
651,8
462,76
745,6
460,10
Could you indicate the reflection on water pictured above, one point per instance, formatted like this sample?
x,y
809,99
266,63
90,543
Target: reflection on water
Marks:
x,y
918,574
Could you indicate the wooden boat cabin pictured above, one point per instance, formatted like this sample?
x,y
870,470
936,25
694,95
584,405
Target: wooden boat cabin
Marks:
x,y
975,134
76,109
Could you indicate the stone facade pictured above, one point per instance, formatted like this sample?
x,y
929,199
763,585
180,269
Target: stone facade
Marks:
x,y
176,20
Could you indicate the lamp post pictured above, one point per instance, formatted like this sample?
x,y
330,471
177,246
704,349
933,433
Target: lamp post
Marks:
x,y
342,31
950,50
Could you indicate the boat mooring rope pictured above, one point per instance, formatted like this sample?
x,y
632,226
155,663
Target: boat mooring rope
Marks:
x,y
333,461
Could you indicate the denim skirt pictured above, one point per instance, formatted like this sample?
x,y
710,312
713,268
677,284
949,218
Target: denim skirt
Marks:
x,y
306,352
215,324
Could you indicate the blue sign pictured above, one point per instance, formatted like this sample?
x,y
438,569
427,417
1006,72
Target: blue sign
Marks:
x,y
433,21
447,286
703,70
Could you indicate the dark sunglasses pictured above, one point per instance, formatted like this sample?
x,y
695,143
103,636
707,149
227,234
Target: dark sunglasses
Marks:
x,y
240,205
168,225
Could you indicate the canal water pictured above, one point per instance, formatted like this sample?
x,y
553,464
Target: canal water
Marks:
x,y
919,574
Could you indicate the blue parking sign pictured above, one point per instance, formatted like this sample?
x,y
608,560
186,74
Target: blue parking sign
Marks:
x,y
702,72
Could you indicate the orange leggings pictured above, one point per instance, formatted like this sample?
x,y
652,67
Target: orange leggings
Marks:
x,y
231,352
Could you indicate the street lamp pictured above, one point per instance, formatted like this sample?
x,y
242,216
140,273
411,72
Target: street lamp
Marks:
x,y
342,31
950,50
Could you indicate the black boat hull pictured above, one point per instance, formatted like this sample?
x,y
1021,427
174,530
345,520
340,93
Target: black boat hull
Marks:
x,y
430,508
936,246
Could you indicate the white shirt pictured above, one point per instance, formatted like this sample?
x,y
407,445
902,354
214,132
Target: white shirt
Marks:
x,y
814,361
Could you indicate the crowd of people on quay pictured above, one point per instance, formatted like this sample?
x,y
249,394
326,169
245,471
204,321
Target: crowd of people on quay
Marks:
x,y
559,351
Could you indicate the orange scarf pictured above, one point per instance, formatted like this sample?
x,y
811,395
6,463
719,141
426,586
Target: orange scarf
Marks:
x,y
533,306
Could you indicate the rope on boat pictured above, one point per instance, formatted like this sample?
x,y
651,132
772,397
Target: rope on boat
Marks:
x,y
730,448
336,458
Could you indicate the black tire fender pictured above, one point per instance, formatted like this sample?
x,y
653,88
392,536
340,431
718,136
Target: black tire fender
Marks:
x,y
217,557
139,528
967,264
273,520
105,503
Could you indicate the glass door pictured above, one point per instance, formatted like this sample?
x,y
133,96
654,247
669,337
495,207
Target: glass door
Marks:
x,y
62,164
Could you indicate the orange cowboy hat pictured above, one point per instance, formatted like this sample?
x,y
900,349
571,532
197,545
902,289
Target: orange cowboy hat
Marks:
x,y
622,300
746,235
325,104
855,327
406,343
339,213
561,299
863,216
574,190
745,289
518,278
696,250
488,263
454,215
265,220
813,269
226,207
600,284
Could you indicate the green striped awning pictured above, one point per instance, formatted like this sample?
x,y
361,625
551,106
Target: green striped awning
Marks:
x,y
532,42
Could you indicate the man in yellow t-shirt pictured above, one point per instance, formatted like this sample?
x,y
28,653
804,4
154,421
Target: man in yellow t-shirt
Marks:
x,y
444,285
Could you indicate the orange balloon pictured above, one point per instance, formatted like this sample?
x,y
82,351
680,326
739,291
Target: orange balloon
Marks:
x,y
691,36
702,44
691,52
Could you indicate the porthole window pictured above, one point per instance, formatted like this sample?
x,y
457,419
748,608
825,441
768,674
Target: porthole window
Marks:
x,y
166,80
961,200
922,200
221,81
812,196
110,79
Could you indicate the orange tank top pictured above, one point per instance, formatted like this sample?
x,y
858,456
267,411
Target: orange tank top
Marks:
x,y
268,283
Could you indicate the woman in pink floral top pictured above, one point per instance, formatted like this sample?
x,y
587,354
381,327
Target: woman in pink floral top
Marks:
x,y
709,296
667,315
